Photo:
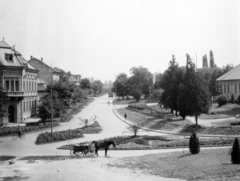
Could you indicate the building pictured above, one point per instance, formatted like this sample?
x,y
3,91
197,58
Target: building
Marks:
x,y
74,79
46,72
42,88
229,83
18,80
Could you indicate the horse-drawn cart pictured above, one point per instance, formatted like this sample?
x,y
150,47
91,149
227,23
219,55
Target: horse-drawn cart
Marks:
x,y
82,150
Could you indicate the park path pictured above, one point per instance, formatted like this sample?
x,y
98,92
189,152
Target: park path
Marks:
x,y
111,125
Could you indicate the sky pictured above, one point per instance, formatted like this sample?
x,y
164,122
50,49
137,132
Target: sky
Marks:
x,y
100,39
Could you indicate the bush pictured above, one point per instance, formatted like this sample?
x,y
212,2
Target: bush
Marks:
x,y
222,100
138,106
235,154
238,99
194,145
232,99
58,136
136,94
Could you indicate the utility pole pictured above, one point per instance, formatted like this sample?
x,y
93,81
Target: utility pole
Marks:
x,y
51,104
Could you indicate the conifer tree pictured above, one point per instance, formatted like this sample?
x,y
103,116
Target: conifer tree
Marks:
x,y
235,154
194,144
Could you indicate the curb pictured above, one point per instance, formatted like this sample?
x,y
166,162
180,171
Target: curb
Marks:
x,y
175,134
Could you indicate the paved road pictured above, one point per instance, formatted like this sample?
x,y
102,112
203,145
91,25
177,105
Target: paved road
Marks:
x,y
110,124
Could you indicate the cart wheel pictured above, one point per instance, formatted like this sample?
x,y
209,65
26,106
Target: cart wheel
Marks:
x,y
15,136
23,136
91,153
72,153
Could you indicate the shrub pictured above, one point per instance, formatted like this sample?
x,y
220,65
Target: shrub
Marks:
x,y
238,99
194,145
235,154
222,100
136,94
139,106
232,99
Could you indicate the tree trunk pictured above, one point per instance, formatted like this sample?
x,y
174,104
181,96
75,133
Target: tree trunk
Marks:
x,y
196,118
176,113
171,110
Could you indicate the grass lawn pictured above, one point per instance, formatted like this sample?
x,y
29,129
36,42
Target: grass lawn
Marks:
x,y
228,109
214,164
132,101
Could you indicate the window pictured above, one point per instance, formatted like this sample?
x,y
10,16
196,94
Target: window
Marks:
x,y
224,89
12,85
9,57
17,85
7,85
228,89
235,88
23,106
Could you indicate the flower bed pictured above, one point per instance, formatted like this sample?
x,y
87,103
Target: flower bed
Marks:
x,y
212,130
10,130
58,136
158,142
92,129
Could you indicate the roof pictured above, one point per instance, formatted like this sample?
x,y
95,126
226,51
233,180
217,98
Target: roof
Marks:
x,y
54,70
233,74
72,79
40,81
28,64
41,87
3,44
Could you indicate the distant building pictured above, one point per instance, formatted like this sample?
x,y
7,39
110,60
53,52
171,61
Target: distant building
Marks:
x,y
46,72
18,80
229,83
72,80
42,88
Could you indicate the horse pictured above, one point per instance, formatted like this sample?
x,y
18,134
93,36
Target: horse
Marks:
x,y
103,144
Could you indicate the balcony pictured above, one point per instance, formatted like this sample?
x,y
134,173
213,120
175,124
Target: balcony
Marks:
x,y
14,94
20,94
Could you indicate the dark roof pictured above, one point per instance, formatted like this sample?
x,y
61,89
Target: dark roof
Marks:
x,y
233,74
41,87
72,79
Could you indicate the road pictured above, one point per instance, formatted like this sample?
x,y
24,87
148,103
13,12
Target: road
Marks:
x,y
111,125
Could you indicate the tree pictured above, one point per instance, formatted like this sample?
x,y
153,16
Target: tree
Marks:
x,y
136,94
205,62
212,63
141,79
169,83
85,83
134,128
121,85
97,86
194,145
197,93
235,154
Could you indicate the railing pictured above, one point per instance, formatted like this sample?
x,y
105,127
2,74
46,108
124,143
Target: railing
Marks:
x,y
20,94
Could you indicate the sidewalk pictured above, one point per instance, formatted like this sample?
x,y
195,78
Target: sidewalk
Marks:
x,y
191,119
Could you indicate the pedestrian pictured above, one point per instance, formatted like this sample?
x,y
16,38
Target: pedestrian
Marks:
x,y
19,132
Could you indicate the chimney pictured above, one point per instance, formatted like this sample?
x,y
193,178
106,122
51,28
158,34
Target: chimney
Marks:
x,y
31,57
41,59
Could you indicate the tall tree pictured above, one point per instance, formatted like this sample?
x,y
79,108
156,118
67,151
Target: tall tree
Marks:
x,y
141,79
205,61
197,92
211,57
121,85
85,83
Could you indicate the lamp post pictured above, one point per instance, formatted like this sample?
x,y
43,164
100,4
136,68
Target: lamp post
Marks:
x,y
51,105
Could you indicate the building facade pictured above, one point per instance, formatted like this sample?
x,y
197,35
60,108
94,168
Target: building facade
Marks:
x,y
18,80
46,72
229,83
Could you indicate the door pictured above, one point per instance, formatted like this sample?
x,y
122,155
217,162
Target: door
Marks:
x,y
11,114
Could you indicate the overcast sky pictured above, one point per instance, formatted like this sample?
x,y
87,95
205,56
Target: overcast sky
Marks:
x,y
101,39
